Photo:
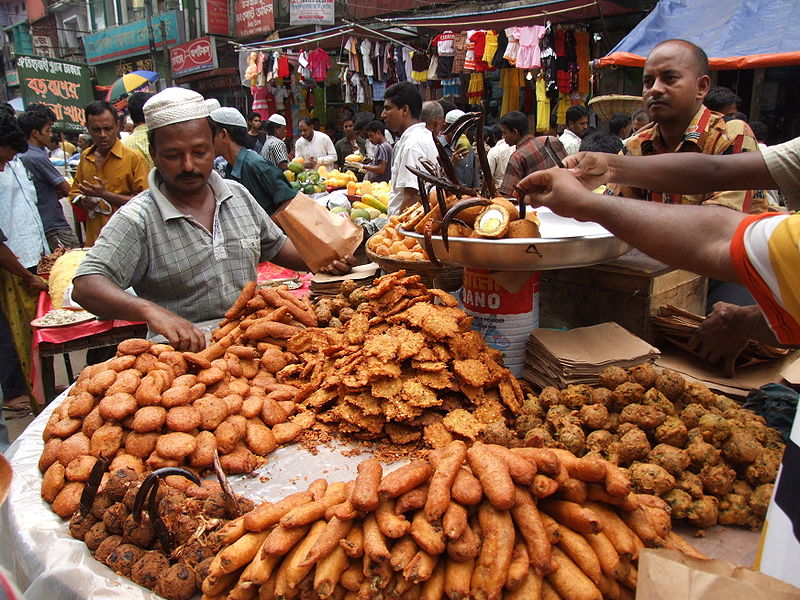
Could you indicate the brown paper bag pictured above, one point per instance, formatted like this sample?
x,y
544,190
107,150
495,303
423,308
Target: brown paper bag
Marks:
x,y
319,235
671,575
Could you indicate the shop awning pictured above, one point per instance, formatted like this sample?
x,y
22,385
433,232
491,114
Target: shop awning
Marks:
x,y
533,13
736,34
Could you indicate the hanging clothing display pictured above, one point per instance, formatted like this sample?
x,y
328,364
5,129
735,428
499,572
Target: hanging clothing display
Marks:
x,y
319,62
529,53
511,80
542,106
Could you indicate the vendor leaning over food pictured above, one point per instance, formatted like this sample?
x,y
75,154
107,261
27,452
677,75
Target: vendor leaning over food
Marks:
x,y
109,173
188,244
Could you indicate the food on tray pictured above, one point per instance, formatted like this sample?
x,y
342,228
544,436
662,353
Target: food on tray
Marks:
x,y
708,458
47,261
389,242
59,317
393,548
161,408
61,274
403,366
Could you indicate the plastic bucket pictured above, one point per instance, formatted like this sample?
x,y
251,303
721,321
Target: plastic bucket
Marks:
x,y
504,318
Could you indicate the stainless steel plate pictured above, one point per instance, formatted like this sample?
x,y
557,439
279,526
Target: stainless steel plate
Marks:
x,y
565,243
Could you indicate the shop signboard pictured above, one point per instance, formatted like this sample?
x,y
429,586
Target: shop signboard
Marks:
x,y
194,57
130,39
254,17
311,12
217,20
63,86
12,78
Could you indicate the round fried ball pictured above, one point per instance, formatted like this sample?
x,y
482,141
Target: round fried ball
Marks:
x,y
95,535
149,418
115,516
594,416
178,583
628,393
149,568
612,376
671,384
183,418
120,482
140,533
644,374
122,559
79,525
107,546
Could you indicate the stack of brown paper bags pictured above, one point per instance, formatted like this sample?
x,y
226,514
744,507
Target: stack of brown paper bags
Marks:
x,y
560,358
329,285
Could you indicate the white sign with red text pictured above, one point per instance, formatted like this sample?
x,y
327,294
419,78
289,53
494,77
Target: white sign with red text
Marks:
x,y
194,57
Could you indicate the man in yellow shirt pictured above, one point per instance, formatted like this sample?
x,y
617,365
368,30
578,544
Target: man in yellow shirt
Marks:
x,y
137,140
109,173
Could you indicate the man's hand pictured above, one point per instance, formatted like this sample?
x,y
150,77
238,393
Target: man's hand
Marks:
x,y
458,155
558,190
340,267
87,203
590,168
182,335
719,338
35,283
96,189
310,163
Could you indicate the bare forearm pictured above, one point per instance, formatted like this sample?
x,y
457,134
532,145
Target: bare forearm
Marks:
x,y
107,300
116,200
691,173
9,262
696,238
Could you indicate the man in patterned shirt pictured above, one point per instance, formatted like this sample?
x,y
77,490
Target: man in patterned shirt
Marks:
x,y
274,148
188,244
530,154
675,82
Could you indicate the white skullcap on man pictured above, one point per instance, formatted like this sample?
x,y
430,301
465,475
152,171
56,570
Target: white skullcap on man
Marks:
x,y
174,105
277,119
227,115
453,115
212,103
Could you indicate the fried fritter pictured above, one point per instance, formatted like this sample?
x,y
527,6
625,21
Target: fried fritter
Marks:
x,y
571,437
679,501
649,478
741,448
671,384
653,397
628,393
701,454
645,417
717,479
672,431
703,512
612,376
644,374
734,510
599,441
462,423
633,445
759,499
672,459
594,416
714,428
690,483
765,468
471,372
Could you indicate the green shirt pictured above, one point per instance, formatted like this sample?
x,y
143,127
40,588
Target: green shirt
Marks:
x,y
264,181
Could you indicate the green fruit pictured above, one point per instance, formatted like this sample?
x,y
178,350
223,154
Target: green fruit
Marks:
x,y
359,212
309,189
313,176
296,185
374,213
338,210
319,188
295,167
302,176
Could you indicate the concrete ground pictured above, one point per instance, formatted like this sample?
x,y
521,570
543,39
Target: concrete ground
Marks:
x,y
16,423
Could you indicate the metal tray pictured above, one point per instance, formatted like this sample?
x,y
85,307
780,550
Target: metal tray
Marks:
x,y
566,243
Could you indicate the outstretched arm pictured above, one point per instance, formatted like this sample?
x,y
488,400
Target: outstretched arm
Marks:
x,y
104,298
676,173
696,238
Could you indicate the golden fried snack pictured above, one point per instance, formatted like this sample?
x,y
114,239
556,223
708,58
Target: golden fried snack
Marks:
x,y
53,481
606,554
149,418
454,521
82,404
259,438
75,445
176,445
522,470
183,418
328,572
137,444
203,455
569,581
287,432
412,500
580,518
49,453
617,532
80,468
367,482
466,488
543,486
306,514
493,474
391,524
420,568
529,522
429,536
266,515
519,568
465,547
545,459
457,579
126,382
405,478
67,499
439,489
491,568
374,541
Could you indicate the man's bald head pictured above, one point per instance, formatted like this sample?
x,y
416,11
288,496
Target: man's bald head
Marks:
x,y
697,53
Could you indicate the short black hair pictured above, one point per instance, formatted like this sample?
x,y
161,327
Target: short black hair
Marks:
x,y
576,113
407,94
252,115
700,57
618,122
42,109
238,134
151,133
7,108
447,104
760,130
719,97
98,107
639,111
601,142
136,106
737,116
11,135
33,120
376,125
515,121
271,127
306,120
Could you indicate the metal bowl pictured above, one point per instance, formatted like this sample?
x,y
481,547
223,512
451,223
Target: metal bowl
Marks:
x,y
565,243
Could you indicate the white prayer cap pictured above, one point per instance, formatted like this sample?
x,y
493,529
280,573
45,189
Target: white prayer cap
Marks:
x,y
173,105
228,115
212,103
453,115
277,119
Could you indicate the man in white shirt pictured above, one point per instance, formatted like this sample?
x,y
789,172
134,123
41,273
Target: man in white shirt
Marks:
x,y
577,123
314,147
401,109
498,156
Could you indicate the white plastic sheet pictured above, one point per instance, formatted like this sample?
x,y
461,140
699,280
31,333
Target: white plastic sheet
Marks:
x,y
46,563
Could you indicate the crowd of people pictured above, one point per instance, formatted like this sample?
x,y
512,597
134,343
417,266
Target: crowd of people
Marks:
x,y
178,209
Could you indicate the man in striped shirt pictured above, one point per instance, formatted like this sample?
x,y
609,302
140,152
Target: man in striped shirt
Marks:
x,y
274,148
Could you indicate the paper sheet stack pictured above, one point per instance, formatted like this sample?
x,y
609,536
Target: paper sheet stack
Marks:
x,y
560,358
329,285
